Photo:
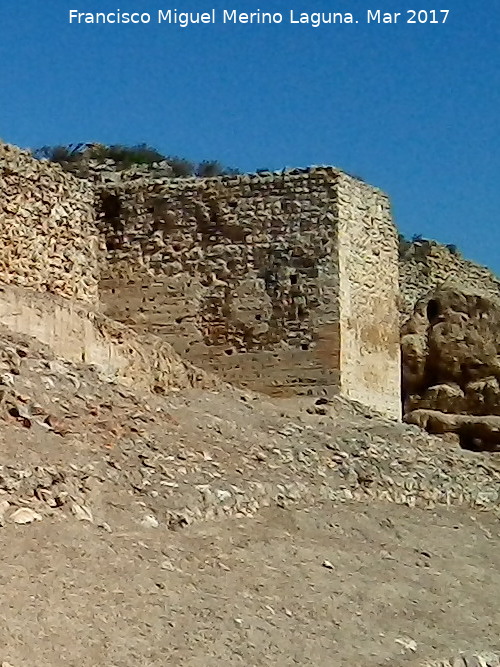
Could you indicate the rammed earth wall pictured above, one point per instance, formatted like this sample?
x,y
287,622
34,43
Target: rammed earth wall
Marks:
x,y
286,283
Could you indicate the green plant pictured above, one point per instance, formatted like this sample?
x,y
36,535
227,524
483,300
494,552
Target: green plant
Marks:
x,y
180,166
125,156
76,157
453,249
209,169
60,154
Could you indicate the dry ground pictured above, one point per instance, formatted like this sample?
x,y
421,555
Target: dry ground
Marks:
x,y
329,585
219,528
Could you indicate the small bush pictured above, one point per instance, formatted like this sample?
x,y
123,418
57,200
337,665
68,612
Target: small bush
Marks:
x,y
60,154
125,156
76,157
209,169
453,249
181,167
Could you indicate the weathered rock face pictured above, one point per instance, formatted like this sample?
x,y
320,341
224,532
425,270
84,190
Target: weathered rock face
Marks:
x,y
48,238
474,432
451,354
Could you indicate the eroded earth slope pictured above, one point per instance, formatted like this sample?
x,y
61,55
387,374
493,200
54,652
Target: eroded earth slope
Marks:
x,y
223,528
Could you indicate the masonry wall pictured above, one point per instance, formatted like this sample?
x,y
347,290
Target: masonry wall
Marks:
x,y
77,333
369,317
283,282
427,265
239,274
243,275
48,239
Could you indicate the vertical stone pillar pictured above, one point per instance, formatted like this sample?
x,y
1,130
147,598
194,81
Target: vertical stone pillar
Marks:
x,y
368,297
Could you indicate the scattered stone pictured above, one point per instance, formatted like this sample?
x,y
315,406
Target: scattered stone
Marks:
x,y
25,515
150,521
222,495
407,643
4,506
82,512
56,425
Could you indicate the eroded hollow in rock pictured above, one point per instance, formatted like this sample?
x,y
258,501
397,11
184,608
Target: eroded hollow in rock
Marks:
x,y
451,359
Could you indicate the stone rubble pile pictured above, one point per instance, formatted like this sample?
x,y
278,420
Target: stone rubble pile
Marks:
x,y
480,659
203,454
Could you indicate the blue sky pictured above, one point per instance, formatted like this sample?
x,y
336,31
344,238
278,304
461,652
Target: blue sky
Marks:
x,y
413,109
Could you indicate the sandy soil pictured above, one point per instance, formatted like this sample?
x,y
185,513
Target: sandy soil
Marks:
x,y
329,585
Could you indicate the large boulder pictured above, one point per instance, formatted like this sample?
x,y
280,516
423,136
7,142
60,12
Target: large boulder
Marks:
x,y
477,433
451,353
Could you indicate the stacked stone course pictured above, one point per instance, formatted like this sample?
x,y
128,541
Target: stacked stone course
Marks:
x,y
286,281
48,238
428,265
224,268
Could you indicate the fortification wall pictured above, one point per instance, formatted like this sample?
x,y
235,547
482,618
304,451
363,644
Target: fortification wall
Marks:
x,y
48,238
283,282
369,288
427,265
239,274
243,275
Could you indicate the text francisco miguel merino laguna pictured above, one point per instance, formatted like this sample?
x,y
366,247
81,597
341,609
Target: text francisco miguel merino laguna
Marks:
x,y
229,16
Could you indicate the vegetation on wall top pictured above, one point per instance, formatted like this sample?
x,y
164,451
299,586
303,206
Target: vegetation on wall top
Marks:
x,y
418,246
76,158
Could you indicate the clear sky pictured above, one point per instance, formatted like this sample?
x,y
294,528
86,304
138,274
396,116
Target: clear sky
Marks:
x,y
411,108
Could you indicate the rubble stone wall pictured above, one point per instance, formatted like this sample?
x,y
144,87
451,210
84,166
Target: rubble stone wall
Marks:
x,y
77,333
243,275
48,238
429,265
283,282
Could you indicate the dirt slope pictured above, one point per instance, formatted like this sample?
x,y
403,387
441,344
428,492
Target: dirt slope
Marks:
x,y
209,528
404,586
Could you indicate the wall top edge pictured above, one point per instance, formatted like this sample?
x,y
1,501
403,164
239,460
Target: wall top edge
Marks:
x,y
316,173
144,176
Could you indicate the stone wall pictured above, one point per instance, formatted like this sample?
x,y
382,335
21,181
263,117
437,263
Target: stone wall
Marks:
x,y
427,265
282,282
48,239
369,318
261,277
